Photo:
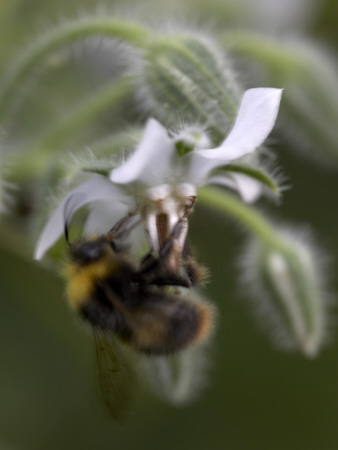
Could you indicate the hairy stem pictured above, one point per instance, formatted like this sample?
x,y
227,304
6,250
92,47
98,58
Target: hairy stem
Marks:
x,y
33,158
240,211
57,38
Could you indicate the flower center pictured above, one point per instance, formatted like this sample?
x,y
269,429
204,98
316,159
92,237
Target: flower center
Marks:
x,y
165,206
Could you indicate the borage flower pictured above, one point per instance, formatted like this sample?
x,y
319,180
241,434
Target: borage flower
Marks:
x,y
158,181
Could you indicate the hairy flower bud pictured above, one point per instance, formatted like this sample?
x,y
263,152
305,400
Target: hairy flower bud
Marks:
x,y
6,190
287,285
180,378
188,76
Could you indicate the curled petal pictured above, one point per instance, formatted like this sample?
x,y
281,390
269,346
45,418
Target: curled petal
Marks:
x,y
255,119
97,188
248,188
150,163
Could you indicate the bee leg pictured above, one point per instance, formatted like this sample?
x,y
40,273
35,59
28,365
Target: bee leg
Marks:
x,y
196,273
164,269
151,268
120,223
177,246
171,247
149,263
170,254
121,229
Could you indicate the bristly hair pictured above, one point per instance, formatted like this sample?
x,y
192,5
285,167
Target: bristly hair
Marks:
x,y
253,289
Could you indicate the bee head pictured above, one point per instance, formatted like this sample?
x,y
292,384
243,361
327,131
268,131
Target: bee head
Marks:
x,y
85,251
88,251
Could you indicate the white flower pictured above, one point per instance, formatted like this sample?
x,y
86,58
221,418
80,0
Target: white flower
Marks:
x,y
156,180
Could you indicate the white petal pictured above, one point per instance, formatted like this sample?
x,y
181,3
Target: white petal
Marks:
x,y
255,119
254,122
200,167
223,180
150,163
102,215
97,188
248,188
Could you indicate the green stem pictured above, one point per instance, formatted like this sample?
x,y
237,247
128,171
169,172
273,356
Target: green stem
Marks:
x,y
277,55
245,214
33,158
59,37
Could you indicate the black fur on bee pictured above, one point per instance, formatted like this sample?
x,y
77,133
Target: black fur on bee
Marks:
x,y
147,307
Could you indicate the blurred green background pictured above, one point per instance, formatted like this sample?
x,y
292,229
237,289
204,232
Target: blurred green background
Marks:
x,y
257,397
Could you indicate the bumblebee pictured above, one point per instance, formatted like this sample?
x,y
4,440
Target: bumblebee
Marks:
x,y
144,305
147,305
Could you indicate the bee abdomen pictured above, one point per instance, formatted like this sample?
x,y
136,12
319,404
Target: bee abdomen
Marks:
x,y
189,325
172,324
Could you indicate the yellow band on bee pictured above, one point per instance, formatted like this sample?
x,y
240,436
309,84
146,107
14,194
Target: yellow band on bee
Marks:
x,y
81,280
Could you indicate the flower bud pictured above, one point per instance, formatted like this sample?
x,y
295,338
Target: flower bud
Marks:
x,y
177,379
188,76
284,277
6,191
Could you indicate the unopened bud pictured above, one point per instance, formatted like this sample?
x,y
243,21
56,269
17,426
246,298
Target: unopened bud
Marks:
x,y
6,192
188,76
287,283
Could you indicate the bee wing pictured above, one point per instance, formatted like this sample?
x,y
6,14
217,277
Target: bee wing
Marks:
x,y
115,375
